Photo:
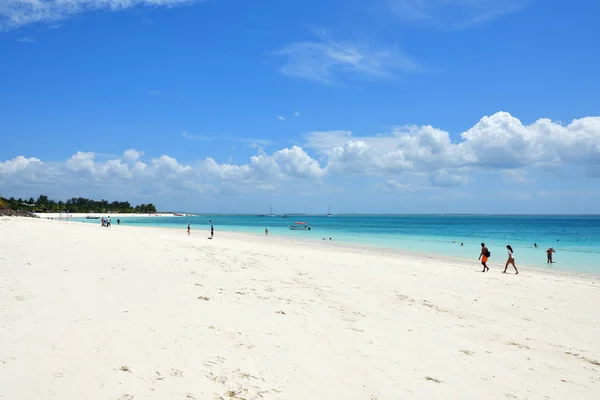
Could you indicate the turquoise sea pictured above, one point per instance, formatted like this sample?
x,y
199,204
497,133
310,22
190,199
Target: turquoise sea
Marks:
x,y
576,239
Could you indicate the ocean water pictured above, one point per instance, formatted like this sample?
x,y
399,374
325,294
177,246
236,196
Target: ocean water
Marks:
x,y
576,239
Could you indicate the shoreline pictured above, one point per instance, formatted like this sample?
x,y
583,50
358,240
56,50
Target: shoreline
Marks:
x,y
370,247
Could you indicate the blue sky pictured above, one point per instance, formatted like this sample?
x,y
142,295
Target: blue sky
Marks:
x,y
484,106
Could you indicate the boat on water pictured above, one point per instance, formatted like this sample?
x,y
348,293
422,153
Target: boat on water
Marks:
x,y
329,215
179,215
271,212
91,217
300,226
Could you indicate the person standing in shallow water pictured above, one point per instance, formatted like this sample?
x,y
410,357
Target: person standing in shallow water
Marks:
x,y
549,253
483,256
188,229
511,260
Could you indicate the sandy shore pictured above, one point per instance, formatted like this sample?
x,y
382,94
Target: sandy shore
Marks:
x,y
100,215
139,313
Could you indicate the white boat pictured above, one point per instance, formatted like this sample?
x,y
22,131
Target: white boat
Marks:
x,y
271,212
329,215
300,226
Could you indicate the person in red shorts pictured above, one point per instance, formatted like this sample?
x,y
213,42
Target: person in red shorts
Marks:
x,y
484,256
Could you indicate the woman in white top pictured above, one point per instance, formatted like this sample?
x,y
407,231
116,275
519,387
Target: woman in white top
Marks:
x,y
511,260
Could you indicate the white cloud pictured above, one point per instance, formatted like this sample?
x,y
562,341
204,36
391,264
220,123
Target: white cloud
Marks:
x,y
26,39
83,171
394,186
454,14
499,142
281,117
18,164
209,138
132,155
18,13
327,61
406,158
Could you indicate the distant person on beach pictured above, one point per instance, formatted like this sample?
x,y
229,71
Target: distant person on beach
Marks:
x,y
484,256
511,260
462,244
535,245
118,221
102,221
266,231
549,253
108,222
188,229
212,231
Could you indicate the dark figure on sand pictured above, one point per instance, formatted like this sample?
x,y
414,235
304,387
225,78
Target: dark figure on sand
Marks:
x,y
188,229
267,231
511,260
483,256
549,253
212,231
118,221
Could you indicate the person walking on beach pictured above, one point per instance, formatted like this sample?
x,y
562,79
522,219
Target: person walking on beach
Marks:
x,y
188,230
549,253
511,260
118,221
266,231
212,231
108,222
484,256
102,221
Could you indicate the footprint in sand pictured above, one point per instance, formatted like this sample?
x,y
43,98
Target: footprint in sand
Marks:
x,y
176,373
126,397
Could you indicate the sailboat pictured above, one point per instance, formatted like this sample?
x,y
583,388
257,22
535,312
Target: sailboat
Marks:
x,y
271,212
329,215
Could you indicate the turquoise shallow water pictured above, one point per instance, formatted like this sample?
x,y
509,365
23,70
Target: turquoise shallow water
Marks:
x,y
576,239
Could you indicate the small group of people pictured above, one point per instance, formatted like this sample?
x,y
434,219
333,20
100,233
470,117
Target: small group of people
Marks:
x,y
107,223
485,255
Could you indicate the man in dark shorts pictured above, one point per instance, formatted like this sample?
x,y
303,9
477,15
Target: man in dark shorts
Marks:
x,y
212,231
549,253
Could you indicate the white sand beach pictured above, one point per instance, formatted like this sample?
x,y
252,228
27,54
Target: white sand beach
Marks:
x,y
50,215
146,313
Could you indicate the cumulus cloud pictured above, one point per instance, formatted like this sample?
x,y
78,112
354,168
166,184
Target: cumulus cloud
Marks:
x,y
496,143
164,173
406,158
17,13
281,117
327,61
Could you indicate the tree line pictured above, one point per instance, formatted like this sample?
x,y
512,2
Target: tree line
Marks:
x,y
74,205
